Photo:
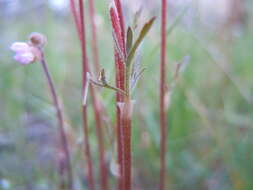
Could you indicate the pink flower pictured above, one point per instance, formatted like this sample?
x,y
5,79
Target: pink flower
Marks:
x,y
24,52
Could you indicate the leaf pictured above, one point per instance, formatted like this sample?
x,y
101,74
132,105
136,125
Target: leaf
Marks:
x,y
180,67
129,39
135,78
140,38
136,18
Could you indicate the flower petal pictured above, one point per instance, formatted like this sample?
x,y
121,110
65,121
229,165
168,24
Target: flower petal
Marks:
x,y
20,47
24,58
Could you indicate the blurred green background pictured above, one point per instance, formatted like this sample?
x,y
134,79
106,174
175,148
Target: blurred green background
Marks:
x,y
210,114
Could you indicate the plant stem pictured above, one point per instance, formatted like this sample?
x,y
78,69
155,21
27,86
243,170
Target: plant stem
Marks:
x,y
60,121
80,31
122,24
126,117
119,55
75,16
163,121
87,148
103,172
100,137
119,98
94,42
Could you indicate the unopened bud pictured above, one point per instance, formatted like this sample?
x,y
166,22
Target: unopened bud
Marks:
x,y
37,39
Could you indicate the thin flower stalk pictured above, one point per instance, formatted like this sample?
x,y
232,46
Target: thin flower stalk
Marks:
x,y
163,120
61,124
30,52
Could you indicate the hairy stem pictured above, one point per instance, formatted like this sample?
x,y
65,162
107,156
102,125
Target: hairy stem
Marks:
x,y
60,121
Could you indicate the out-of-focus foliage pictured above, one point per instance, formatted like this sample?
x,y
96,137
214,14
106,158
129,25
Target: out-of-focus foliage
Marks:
x,y
210,117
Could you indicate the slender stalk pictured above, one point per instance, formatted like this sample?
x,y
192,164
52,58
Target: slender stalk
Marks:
x,y
75,16
120,83
94,42
126,119
119,148
81,34
103,172
60,121
163,121
87,149
100,136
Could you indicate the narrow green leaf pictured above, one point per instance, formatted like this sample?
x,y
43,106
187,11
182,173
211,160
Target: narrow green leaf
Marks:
x,y
137,16
140,38
129,39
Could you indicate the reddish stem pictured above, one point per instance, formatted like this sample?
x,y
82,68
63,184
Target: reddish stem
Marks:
x,y
99,131
87,148
103,172
60,121
97,107
126,135
83,44
120,83
119,98
121,22
75,16
94,42
127,161
163,121
81,34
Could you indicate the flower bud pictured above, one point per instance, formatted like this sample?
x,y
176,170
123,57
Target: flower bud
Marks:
x,y
37,39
